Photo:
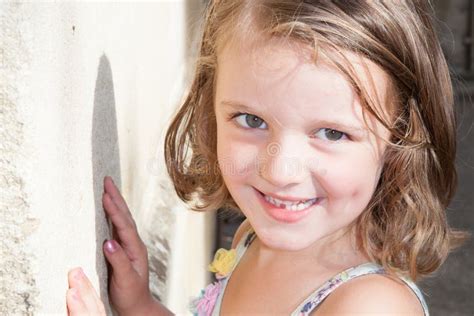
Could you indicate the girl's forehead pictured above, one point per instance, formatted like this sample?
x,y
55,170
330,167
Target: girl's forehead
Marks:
x,y
268,63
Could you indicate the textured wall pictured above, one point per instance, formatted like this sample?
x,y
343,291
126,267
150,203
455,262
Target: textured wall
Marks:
x,y
18,287
86,91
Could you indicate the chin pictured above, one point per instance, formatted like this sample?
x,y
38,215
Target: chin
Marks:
x,y
283,244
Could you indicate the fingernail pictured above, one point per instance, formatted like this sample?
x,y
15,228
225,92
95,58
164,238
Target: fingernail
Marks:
x,y
79,274
111,246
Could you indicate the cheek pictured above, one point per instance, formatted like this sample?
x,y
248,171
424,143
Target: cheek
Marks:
x,y
237,159
353,176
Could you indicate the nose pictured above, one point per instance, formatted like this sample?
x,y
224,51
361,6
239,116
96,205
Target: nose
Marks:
x,y
282,162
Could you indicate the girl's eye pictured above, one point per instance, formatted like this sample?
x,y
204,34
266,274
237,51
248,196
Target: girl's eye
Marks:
x,y
331,134
252,121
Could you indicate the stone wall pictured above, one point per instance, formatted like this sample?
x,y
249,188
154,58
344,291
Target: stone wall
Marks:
x,y
86,90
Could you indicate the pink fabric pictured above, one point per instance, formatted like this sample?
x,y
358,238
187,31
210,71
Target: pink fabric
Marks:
x,y
204,305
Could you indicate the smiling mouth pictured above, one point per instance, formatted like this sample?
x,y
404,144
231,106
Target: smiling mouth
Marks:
x,y
299,206
291,206
287,214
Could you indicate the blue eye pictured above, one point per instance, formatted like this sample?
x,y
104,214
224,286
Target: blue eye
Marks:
x,y
331,134
252,121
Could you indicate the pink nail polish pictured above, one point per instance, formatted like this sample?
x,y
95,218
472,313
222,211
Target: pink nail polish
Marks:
x,y
111,246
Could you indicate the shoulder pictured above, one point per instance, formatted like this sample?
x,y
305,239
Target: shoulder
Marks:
x,y
372,294
244,226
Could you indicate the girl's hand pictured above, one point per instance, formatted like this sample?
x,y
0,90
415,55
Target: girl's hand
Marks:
x,y
127,254
81,298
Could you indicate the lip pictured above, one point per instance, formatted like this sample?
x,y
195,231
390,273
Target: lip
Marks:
x,y
285,198
283,215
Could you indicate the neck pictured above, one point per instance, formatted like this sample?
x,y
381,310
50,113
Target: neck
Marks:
x,y
331,252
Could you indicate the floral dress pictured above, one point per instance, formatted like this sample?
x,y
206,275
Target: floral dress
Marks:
x,y
209,301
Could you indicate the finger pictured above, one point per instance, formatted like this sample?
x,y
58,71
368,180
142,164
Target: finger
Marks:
x,y
75,305
127,232
126,229
123,270
86,292
77,281
119,218
115,194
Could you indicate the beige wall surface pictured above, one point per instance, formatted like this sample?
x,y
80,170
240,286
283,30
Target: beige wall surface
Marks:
x,y
86,90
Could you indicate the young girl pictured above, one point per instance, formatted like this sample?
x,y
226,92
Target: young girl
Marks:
x,y
330,126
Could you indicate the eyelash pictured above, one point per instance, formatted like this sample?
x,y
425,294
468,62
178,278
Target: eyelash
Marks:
x,y
237,114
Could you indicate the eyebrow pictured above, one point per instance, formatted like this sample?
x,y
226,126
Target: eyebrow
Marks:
x,y
335,125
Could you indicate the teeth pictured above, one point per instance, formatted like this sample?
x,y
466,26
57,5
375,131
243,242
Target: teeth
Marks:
x,y
291,206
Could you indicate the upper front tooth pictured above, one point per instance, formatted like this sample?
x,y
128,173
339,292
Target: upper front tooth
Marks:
x,y
277,201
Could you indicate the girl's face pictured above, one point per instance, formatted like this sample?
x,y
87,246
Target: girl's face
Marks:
x,y
300,135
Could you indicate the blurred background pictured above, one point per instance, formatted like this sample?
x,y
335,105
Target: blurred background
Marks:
x,y
449,290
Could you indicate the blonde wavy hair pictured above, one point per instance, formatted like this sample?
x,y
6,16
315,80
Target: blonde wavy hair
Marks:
x,y
404,226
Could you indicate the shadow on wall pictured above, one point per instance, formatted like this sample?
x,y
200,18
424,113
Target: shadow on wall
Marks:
x,y
105,159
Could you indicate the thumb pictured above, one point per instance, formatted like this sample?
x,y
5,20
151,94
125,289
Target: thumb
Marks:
x,y
122,268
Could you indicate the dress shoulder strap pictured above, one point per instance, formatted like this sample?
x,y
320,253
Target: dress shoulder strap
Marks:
x,y
240,249
329,286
